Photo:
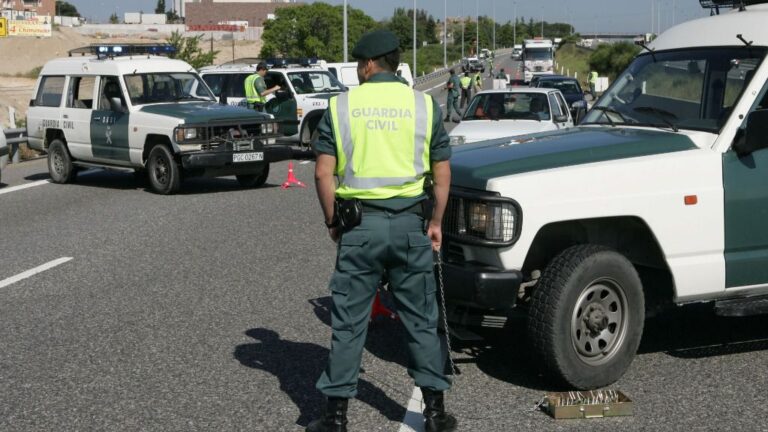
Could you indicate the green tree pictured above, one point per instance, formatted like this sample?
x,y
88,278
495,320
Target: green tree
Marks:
x,y
612,59
401,24
160,9
66,9
113,19
189,50
313,30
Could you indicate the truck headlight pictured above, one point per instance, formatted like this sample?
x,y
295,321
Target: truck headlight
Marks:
x,y
486,219
268,128
184,134
458,140
495,221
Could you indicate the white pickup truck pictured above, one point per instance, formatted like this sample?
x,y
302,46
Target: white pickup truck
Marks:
x,y
659,197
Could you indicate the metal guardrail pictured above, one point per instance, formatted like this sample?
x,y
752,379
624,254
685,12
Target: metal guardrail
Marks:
x,y
14,137
440,72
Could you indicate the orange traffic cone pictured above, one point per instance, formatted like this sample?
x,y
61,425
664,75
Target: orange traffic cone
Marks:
x,y
380,310
291,180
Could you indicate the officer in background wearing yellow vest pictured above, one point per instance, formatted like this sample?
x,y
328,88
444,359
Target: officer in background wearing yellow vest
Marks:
x,y
478,82
592,84
256,90
466,89
381,140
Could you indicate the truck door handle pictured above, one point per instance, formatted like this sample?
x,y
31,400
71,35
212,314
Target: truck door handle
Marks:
x,y
65,116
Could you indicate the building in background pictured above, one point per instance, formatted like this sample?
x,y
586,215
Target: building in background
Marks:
x,y
213,12
25,9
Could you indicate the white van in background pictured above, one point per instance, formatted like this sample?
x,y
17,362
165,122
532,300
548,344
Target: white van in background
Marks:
x,y
347,72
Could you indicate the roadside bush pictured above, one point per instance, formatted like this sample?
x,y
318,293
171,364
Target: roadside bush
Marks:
x,y
189,50
612,59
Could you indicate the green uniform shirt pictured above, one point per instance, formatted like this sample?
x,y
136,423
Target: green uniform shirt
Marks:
x,y
456,85
439,150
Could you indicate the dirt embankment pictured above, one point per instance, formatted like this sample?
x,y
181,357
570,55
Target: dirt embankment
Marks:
x,y
21,56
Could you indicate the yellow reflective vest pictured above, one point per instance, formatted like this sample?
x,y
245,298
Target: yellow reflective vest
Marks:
x,y
382,132
251,95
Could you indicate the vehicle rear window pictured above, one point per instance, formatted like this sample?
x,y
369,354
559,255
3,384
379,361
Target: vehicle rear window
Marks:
x,y
50,92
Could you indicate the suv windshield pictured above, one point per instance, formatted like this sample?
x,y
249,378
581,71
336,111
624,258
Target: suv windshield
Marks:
x,y
691,89
166,87
508,106
314,82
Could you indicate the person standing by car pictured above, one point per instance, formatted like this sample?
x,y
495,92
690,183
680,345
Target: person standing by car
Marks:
x,y
478,82
452,102
466,89
378,217
592,84
256,90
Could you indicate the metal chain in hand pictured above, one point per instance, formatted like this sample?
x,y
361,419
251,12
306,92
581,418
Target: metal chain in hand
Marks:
x,y
445,313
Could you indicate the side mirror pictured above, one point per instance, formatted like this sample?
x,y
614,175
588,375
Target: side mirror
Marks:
x,y
561,118
755,135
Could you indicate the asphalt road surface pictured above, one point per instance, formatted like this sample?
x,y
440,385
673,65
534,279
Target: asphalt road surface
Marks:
x,y
209,311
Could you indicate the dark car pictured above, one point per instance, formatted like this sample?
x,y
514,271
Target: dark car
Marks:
x,y
571,89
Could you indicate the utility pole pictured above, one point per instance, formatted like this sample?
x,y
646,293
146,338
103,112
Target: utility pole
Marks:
x,y
415,71
346,40
445,34
514,28
494,25
477,29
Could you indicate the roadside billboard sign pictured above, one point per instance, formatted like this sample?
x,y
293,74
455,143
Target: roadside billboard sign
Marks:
x,y
35,28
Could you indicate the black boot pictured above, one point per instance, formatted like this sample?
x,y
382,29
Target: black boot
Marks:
x,y
334,419
435,417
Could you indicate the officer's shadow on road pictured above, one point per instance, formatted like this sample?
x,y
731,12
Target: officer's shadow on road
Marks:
x,y
298,365
386,338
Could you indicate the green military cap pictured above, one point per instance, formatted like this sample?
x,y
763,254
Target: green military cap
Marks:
x,y
375,44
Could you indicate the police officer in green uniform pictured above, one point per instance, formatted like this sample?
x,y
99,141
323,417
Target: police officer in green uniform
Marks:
x,y
256,89
381,140
466,89
452,102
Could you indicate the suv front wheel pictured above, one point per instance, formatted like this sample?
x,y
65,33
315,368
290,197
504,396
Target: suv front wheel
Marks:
x,y
586,316
60,162
253,180
164,172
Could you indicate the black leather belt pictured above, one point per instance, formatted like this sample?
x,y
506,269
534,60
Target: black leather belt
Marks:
x,y
368,208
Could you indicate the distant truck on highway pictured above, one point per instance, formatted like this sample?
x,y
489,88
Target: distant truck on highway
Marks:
x,y
538,56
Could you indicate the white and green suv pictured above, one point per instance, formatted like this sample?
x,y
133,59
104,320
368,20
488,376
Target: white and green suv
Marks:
x,y
298,105
659,197
120,108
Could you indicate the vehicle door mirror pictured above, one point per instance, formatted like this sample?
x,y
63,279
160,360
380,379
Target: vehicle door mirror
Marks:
x,y
561,118
283,94
755,135
116,105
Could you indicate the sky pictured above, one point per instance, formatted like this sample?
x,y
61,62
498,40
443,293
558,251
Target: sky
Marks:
x,y
587,16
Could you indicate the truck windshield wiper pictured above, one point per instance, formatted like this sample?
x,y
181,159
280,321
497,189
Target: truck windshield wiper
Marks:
x,y
659,113
605,110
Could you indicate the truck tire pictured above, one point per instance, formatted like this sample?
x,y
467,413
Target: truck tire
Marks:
x,y
253,180
164,172
586,316
60,165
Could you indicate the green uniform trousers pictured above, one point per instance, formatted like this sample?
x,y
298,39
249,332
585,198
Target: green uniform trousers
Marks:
x,y
452,104
394,243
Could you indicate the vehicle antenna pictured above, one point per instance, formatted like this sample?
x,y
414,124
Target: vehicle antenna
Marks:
x,y
741,38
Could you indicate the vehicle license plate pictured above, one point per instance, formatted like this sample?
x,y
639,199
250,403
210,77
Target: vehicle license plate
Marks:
x,y
248,157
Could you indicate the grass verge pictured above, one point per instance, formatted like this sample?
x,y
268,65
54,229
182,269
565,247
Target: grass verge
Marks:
x,y
574,59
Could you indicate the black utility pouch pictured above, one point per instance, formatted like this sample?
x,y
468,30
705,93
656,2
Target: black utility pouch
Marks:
x,y
350,213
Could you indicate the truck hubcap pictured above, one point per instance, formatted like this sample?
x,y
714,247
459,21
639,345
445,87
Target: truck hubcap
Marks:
x,y
161,170
58,163
599,321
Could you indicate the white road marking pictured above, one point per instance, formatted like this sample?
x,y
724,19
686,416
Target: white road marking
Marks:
x,y
430,89
414,419
24,186
34,271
